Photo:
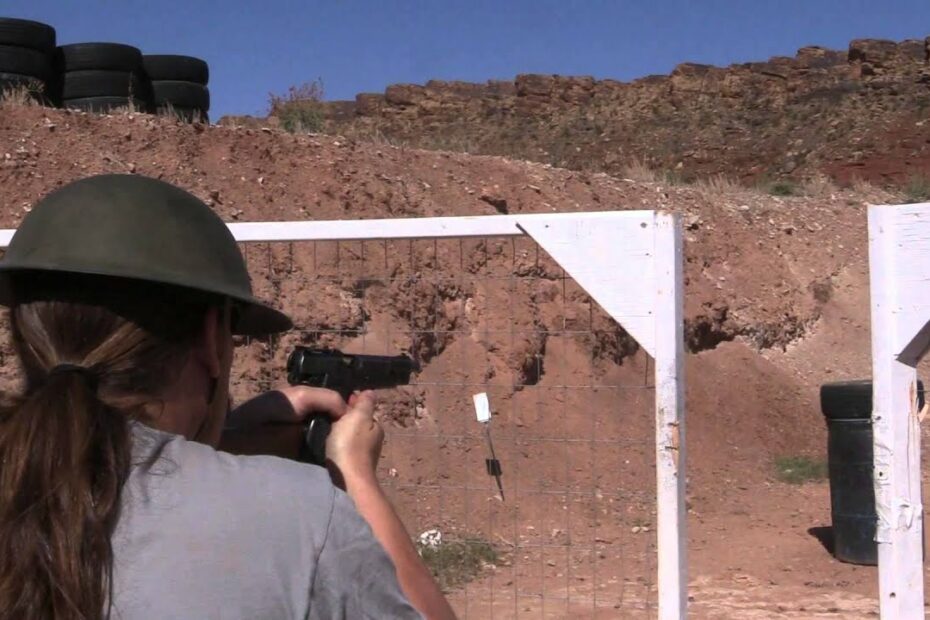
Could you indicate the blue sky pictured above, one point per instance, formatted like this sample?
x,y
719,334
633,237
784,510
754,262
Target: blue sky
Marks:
x,y
255,48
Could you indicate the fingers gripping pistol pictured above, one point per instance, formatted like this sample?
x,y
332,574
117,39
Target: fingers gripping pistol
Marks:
x,y
344,373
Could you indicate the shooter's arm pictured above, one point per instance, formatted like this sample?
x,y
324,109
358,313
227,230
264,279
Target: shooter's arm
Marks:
x,y
356,461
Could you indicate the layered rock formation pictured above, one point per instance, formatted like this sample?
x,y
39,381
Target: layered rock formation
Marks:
x,y
850,114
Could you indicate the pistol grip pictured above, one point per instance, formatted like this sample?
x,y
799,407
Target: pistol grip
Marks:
x,y
313,449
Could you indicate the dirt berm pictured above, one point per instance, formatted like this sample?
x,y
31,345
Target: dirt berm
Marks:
x,y
776,291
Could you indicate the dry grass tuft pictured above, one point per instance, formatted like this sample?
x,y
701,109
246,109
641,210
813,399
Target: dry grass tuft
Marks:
x,y
862,186
168,111
819,185
637,170
870,193
129,108
718,186
451,142
371,134
25,95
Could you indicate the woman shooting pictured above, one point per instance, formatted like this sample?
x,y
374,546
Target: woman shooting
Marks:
x,y
124,294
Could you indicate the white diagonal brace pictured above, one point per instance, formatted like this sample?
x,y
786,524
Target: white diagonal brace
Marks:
x,y
611,256
633,268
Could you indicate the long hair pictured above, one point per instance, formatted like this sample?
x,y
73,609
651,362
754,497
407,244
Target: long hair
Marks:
x,y
65,440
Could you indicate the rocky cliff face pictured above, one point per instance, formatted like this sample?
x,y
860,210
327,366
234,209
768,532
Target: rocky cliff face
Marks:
x,y
860,113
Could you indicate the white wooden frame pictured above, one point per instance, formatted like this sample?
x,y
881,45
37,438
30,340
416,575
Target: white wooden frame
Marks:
x,y
629,262
899,265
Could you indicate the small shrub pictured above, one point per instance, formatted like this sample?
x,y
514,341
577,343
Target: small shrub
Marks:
x,y
917,189
800,469
673,177
300,110
822,290
783,188
455,563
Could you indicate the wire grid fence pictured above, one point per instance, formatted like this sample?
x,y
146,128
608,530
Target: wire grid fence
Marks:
x,y
572,396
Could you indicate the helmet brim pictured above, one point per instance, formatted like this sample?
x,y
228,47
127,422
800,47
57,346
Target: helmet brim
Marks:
x,y
141,229
253,316
258,319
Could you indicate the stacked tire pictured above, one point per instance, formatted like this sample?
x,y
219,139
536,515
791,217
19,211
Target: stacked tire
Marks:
x,y
26,49
99,77
179,85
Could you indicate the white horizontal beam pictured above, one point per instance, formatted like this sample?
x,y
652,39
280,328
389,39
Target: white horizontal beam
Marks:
x,y
400,228
410,228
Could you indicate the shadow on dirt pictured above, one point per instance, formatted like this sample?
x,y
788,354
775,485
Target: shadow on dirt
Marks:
x,y
824,534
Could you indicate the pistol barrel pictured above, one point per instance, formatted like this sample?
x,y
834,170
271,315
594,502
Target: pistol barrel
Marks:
x,y
340,371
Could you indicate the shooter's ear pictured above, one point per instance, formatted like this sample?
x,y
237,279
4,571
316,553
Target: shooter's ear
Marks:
x,y
208,347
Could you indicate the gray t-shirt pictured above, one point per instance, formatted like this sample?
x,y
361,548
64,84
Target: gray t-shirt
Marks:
x,y
207,535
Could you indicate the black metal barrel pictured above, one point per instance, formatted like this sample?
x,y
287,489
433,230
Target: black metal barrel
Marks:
x,y
847,407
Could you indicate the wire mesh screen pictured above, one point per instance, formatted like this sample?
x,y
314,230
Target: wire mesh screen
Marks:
x,y
570,531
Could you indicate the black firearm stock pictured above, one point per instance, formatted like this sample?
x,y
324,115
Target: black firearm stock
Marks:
x,y
344,373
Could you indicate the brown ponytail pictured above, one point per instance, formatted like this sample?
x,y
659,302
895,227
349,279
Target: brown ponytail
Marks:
x,y
65,446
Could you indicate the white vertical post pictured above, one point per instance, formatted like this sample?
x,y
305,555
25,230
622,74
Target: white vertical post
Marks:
x,y
670,423
896,429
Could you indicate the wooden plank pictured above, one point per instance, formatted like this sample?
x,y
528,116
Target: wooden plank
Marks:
x,y
670,418
895,424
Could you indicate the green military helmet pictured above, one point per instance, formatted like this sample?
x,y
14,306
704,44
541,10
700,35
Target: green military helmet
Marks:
x,y
130,226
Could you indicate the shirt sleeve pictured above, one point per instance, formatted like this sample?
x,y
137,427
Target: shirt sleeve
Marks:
x,y
354,576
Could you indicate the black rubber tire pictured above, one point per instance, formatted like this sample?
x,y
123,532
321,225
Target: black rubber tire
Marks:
x,y
176,68
101,104
99,56
25,61
852,400
92,83
181,94
185,114
27,33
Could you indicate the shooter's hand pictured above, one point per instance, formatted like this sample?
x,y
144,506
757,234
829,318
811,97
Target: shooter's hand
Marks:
x,y
270,422
354,444
288,405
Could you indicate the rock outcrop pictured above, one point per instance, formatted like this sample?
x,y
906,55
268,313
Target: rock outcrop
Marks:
x,y
849,114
